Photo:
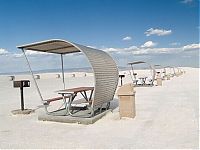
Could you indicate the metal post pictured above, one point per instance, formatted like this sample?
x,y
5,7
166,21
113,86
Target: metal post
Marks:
x,y
63,75
165,71
22,96
32,75
133,71
174,71
154,72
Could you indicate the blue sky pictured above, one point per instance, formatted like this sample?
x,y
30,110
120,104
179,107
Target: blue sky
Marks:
x,y
158,31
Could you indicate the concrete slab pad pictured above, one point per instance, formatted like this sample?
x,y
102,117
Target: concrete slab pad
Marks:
x,y
22,112
146,85
70,119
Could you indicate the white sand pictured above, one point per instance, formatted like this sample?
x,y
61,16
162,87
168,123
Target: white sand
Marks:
x,y
167,117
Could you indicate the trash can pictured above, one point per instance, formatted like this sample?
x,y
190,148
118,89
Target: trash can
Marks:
x,y
11,78
57,75
126,96
159,79
37,76
168,76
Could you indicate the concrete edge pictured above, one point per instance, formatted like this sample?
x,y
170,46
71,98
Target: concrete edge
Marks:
x,y
70,119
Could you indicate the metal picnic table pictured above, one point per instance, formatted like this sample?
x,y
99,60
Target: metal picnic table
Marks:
x,y
143,79
73,93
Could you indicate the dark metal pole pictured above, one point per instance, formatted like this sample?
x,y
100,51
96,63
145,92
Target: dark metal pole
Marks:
x,y
121,80
22,96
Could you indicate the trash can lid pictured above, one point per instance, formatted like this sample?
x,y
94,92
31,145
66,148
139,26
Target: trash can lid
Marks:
x,y
126,89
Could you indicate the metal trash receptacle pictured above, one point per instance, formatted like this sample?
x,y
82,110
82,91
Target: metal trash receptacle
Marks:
x,y
168,76
159,79
126,96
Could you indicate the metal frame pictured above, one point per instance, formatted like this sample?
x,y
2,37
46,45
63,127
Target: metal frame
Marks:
x,y
164,70
150,66
173,68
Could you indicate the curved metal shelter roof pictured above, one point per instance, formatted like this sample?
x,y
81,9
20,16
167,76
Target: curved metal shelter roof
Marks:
x,y
157,65
52,46
104,67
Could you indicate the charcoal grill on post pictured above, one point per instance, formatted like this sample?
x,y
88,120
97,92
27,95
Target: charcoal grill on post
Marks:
x,y
121,76
21,84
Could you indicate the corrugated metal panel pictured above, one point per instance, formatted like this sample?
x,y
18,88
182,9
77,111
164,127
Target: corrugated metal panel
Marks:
x,y
52,46
105,73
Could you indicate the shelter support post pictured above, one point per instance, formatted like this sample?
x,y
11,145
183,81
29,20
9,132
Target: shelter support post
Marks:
x,y
38,90
133,71
132,68
63,75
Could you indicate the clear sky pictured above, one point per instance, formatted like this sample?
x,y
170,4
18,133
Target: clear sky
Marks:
x,y
159,31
